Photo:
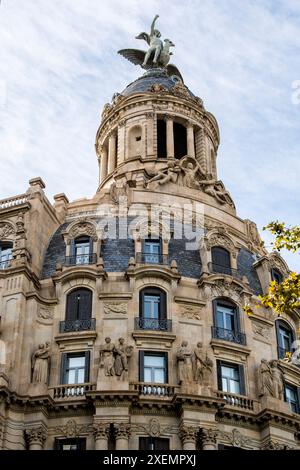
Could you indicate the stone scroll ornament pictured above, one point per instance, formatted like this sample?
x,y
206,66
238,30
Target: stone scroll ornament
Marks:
x,y
114,358
158,53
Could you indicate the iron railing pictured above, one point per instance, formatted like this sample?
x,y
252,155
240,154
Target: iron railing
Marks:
x,y
4,264
221,269
141,323
228,335
81,259
77,325
151,258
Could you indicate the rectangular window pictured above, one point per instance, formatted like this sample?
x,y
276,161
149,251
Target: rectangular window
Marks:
x,y
152,251
70,444
75,368
292,398
151,306
231,378
225,317
153,443
153,367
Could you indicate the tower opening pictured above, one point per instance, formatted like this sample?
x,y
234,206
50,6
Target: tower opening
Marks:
x,y
180,140
161,139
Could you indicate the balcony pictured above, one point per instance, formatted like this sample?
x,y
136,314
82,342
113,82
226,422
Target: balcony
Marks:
x,y
238,401
228,335
154,389
220,269
80,260
4,264
61,392
77,325
152,324
151,258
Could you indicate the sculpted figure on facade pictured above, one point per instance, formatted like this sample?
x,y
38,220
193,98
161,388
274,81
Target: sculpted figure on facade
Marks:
x,y
184,364
122,354
167,175
107,357
271,381
190,168
202,366
40,363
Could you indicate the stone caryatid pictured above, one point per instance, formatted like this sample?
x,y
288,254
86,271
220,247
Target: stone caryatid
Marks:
x,y
202,366
107,357
184,364
157,55
271,381
40,364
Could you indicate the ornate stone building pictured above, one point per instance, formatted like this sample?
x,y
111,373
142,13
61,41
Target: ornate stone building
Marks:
x,y
120,332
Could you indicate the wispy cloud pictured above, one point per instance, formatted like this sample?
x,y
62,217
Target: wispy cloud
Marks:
x,y
58,66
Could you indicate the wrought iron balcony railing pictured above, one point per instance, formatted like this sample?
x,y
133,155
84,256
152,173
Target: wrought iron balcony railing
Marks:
x,y
81,259
228,335
4,264
77,325
151,258
141,323
221,269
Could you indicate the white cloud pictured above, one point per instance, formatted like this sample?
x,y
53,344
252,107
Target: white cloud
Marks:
x,y
59,65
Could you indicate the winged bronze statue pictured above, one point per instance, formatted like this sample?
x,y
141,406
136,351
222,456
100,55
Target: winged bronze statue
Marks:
x,y
157,55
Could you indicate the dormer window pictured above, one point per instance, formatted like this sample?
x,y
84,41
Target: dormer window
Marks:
x,y
220,260
81,251
276,276
152,251
5,254
285,338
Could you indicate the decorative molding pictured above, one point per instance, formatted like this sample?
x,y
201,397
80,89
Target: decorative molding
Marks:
x,y
122,430
209,436
153,428
81,227
36,435
72,429
235,438
113,308
45,315
260,331
101,430
191,311
188,433
6,229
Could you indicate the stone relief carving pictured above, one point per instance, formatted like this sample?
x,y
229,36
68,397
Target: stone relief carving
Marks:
x,y
153,428
219,239
115,308
82,227
227,288
6,229
235,438
261,331
209,436
276,262
188,433
101,430
72,429
45,315
122,430
36,435
184,363
271,379
202,366
40,364
114,359
179,89
191,311
157,88
117,192
275,445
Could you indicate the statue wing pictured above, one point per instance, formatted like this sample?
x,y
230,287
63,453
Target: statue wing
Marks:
x,y
144,36
173,70
136,56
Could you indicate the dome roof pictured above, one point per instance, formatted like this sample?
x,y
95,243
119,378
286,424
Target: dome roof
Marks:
x,y
153,76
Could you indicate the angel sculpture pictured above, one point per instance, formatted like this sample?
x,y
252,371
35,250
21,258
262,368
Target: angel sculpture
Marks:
x,y
158,54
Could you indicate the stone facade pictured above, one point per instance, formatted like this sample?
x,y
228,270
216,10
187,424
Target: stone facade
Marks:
x,y
104,399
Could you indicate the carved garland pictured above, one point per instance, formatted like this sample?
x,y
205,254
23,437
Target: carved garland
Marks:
x,y
81,228
6,229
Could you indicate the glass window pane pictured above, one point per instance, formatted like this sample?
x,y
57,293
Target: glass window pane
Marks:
x,y
224,385
159,376
71,377
154,361
147,375
76,361
80,378
234,386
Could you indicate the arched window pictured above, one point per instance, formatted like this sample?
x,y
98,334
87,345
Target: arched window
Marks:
x,y
285,338
151,251
78,311
81,251
220,260
5,254
153,310
276,276
180,140
161,139
227,322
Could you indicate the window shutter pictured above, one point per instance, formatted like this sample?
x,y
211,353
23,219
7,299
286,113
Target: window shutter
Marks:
x,y
87,366
242,380
219,375
85,304
141,366
72,247
163,306
71,310
166,368
63,368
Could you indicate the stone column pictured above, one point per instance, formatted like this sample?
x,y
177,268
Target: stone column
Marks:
x,y
36,438
112,152
170,137
101,433
190,140
103,164
209,439
188,436
122,434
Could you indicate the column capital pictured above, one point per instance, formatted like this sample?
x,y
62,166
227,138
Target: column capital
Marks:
x,y
122,430
188,433
37,435
209,436
168,117
189,125
101,430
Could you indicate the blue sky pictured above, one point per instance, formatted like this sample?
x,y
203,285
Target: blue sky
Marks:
x,y
59,66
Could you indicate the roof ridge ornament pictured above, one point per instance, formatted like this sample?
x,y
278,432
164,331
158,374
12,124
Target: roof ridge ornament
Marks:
x,y
158,54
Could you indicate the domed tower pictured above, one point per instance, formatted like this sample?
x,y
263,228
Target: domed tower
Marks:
x,y
122,321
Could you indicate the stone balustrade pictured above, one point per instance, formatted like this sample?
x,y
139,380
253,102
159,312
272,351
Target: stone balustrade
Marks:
x,y
70,391
239,401
154,389
13,201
